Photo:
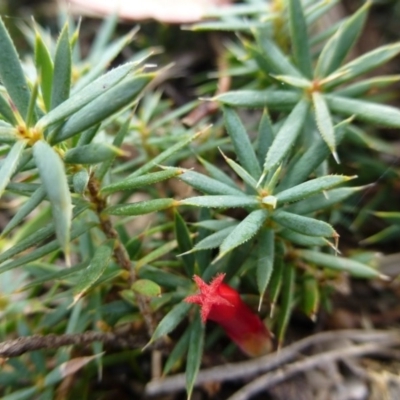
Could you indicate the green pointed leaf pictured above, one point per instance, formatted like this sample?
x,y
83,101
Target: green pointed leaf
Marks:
x,y
45,69
241,172
80,181
368,86
52,174
385,235
243,232
241,142
304,225
353,267
159,252
392,217
265,261
321,201
275,284
92,153
170,321
89,276
141,207
324,122
311,296
311,187
104,61
62,69
300,83
274,99
22,394
195,352
203,258
48,248
102,170
11,73
265,137
363,64
103,36
214,240
58,275
234,25
87,136
315,10
365,110
217,174
140,181
340,44
160,158
30,205
35,238
85,96
287,135
208,185
276,61
185,243
6,111
303,240
226,201
163,278
179,351
311,159
10,164
287,301
147,288
114,99
299,36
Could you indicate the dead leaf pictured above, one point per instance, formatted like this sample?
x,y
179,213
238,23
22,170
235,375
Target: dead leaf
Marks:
x,y
172,11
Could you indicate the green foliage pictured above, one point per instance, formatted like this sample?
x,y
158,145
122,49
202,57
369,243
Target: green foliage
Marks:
x,y
119,204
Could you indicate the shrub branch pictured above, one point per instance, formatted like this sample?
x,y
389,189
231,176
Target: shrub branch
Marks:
x,y
120,253
121,339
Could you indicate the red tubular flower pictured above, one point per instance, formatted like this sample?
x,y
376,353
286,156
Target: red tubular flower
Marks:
x,y
222,304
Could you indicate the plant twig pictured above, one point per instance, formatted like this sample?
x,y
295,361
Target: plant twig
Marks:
x,y
17,347
251,368
322,359
120,253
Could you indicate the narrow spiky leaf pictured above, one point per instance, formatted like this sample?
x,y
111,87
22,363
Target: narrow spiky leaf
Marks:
x,y
340,44
274,99
304,225
311,187
86,95
185,242
45,68
95,269
10,164
353,267
52,173
62,69
365,110
243,232
265,260
11,73
221,201
324,122
287,135
241,143
299,35
194,354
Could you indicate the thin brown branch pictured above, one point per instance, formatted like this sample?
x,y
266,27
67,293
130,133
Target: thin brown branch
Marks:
x,y
120,253
22,345
272,378
254,367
